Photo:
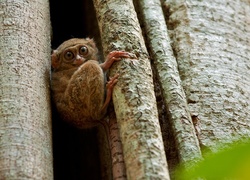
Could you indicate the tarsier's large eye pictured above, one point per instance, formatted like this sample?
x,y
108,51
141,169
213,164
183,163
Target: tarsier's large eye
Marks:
x,y
83,50
69,55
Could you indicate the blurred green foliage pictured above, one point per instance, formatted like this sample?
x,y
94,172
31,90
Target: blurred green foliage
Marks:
x,y
231,163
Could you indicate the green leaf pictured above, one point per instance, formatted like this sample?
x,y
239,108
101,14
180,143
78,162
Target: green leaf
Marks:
x,y
232,164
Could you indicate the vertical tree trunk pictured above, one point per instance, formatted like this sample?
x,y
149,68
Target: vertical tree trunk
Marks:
x,y
168,75
211,42
133,96
118,166
25,118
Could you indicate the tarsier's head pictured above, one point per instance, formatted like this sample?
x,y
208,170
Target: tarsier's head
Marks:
x,y
73,53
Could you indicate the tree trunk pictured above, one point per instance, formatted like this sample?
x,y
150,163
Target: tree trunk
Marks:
x,y
25,133
118,166
169,79
133,96
211,42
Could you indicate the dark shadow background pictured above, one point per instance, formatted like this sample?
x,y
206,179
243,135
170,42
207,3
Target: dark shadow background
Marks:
x,y
76,153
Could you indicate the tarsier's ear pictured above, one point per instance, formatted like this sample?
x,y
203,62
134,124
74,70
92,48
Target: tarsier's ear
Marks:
x,y
55,61
91,42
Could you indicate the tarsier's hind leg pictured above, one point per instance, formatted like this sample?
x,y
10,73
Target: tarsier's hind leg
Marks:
x,y
87,90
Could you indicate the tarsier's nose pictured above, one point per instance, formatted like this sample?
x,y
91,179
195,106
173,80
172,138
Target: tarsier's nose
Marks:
x,y
79,60
78,57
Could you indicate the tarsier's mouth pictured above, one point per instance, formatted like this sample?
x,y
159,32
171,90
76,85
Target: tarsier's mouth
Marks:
x,y
79,62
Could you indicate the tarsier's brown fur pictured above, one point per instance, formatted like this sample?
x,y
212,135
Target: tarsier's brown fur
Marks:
x,y
78,82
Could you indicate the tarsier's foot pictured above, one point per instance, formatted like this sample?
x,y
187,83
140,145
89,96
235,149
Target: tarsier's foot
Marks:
x,y
111,83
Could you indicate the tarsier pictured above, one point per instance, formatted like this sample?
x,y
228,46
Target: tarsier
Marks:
x,y
78,82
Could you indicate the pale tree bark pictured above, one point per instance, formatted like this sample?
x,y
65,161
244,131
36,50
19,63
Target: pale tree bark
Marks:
x,y
133,96
211,40
169,79
25,118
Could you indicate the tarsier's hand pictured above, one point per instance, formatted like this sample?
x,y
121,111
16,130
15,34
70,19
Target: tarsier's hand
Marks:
x,y
117,55
112,57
